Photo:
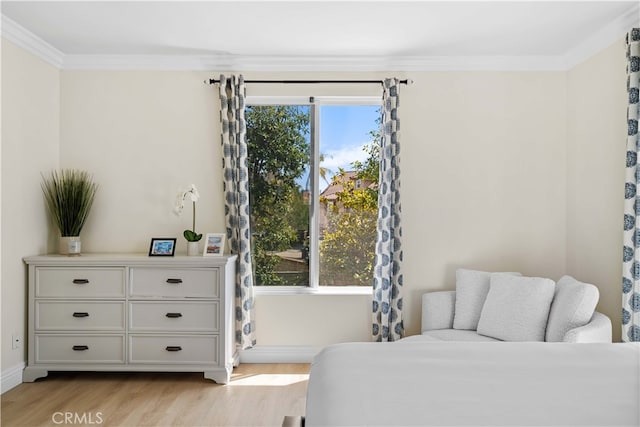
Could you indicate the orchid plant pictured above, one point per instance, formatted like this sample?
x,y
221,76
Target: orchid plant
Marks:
x,y
192,193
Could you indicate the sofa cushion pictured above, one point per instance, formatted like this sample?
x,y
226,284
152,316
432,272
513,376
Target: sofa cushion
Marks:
x,y
573,305
438,309
516,308
472,287
457,335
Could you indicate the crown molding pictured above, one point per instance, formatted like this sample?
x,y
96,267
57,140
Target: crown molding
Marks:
x,y
298,63
30,42
603,38
400,63
147,62
22,37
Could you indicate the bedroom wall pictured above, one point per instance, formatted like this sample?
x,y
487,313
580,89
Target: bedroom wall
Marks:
x,y
144,136
596,146
483,161
30,145
484,185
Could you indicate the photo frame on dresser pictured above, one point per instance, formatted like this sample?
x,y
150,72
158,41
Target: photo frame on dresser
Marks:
x,y
162,246
214,244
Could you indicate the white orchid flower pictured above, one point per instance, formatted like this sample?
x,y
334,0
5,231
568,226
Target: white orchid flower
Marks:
x,y
179,204
191,192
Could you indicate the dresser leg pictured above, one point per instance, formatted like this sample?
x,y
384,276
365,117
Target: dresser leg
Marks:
x,y
30,374
221,377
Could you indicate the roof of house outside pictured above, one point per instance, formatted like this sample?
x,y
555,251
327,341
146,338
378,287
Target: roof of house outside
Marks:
x,y
330,193
336,185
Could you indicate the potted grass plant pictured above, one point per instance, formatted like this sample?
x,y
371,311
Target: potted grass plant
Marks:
x,y
69,195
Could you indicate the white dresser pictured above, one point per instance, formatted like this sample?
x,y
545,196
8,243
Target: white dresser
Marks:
x,y
131,312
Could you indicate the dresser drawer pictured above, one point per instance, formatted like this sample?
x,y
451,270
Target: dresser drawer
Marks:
x,y
174,283
80,316
79,282
191,316
79,348
172,349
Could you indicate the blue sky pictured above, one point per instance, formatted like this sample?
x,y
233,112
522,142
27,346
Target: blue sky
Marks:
x,y
344,130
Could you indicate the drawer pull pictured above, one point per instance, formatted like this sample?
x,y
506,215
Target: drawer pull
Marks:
x,y
80,347
174,281
173,315
174,348
80,281
80,314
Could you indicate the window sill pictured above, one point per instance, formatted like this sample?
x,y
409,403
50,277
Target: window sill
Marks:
x,y
322,290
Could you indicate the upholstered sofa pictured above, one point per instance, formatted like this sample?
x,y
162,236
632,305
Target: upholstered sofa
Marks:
x,y
509,307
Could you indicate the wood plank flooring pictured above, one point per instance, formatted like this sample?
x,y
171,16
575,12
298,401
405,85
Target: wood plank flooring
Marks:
x,y
258,395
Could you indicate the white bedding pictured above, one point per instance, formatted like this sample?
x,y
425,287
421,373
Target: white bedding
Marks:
x,y
416,383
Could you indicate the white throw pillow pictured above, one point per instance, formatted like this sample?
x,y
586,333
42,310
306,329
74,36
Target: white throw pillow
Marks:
x,y
573,305
472,287
516,308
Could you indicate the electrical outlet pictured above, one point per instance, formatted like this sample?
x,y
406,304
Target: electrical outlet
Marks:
x,y
16,341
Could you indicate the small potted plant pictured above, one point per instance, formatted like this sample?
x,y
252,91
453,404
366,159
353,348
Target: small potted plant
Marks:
x,y
193,238
69,195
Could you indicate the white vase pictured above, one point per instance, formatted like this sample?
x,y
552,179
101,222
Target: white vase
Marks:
x,y
193,248
69,245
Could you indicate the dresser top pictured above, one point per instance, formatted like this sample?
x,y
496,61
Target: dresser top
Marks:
x,y
131,259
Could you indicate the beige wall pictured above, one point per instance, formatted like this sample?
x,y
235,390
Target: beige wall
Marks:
x,y
30,145
144,136
483,163
315,321
595,175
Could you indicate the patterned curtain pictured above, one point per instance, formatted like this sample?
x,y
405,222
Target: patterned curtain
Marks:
x,y
631,255
387,276
236,198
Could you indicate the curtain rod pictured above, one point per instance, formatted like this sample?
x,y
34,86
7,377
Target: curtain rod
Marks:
x,y
404,82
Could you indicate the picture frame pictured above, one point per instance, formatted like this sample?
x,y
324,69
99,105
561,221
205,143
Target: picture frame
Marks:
x,y
214,244
162,246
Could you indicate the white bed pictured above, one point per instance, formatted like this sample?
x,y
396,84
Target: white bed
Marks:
x,y
416,383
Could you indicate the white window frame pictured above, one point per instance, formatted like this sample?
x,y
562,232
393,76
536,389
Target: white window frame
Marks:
x,y
314,229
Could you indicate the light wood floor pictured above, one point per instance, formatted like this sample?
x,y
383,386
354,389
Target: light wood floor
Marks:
x,y
258,395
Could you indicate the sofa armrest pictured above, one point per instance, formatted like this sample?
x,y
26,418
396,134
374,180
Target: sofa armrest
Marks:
x,y
437,310
597,330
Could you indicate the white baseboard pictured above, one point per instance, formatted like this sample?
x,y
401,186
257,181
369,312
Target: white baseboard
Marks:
x,y
11,377
279,354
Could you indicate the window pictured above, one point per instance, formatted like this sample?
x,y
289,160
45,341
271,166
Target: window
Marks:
x,y
313,174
